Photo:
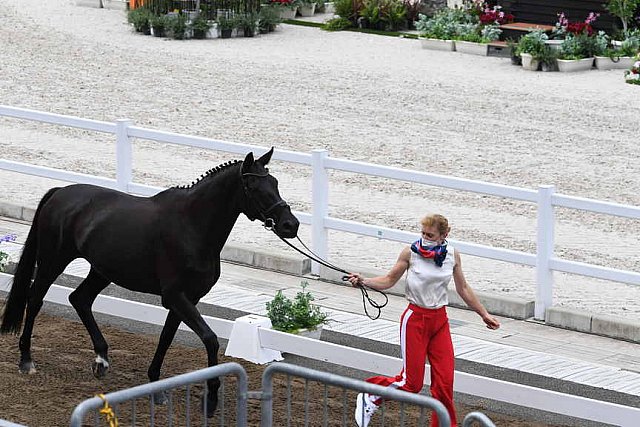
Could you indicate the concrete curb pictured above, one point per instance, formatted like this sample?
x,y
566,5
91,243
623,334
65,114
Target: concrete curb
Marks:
x,y
508,306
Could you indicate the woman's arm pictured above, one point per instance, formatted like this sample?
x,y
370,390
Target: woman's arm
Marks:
x,y
388,280
469,297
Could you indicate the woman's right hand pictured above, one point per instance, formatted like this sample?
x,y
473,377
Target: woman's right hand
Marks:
x,y
355,279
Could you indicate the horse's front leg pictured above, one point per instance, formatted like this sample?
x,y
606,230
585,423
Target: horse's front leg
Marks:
x,y
188,313
166,338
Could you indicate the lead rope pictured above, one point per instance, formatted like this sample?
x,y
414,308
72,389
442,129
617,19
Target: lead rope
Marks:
x,y
363,289
108,413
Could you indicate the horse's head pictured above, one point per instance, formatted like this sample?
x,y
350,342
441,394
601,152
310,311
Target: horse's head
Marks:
x,y
262,199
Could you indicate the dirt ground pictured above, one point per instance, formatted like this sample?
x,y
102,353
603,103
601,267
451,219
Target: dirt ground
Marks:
x,y
62,352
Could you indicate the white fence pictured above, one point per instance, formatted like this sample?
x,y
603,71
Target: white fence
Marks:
x,y
544,261
475,385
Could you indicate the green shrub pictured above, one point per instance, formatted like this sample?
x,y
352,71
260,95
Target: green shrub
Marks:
x,y
290,316
337,24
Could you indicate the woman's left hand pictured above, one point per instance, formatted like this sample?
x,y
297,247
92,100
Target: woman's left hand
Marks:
x,y
491,322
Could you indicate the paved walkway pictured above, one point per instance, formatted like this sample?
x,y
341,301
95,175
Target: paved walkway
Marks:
x,y
524,347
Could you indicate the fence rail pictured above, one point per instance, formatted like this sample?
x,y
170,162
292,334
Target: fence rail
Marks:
x,y
544,260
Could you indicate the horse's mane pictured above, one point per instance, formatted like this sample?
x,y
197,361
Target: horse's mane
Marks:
x,y
210,172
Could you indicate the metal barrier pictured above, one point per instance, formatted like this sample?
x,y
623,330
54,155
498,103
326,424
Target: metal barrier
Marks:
x,y
410,405
348,405
152,390
481,418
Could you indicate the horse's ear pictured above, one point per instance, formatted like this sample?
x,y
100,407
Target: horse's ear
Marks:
x,y
248,162
264,160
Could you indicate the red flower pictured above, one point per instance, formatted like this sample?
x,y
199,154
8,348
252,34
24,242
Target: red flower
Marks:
x,y
579,28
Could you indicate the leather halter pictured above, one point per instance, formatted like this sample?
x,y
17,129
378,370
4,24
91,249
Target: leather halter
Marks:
x,y
268,222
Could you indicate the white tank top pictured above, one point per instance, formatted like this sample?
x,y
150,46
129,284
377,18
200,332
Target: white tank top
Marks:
x,y
426,282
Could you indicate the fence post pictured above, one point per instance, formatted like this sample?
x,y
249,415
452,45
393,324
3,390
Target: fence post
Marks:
x,y
320,208
544,251
124,172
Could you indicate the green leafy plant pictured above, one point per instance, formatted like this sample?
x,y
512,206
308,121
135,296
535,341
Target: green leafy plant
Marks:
x,y
532,43
226,22
578,46
624,10
178,26
348,9
159,24
139,18
337,24
248,23
268,19
200,26
291,316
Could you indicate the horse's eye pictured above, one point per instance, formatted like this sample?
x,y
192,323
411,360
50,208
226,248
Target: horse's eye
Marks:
x,y
266,170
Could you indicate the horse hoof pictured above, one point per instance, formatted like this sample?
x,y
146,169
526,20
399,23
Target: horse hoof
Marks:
x,y
99,367
160,398
212,404
27,368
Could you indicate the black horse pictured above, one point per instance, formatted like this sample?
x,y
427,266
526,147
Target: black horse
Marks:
x,y
168,245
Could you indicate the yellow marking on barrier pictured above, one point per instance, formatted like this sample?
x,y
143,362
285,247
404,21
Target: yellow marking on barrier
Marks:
x,y
108,413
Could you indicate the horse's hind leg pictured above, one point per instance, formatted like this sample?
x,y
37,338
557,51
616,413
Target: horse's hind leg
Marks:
x,y
82,299
166,337
46,273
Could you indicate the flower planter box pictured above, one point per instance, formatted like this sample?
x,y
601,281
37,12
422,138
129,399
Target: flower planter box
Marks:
x,y
528,63
616,63
573,65
471,48
287,13
554,44
437,44
307,9
5,279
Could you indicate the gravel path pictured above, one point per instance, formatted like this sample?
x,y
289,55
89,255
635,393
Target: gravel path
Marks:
x,y
362,97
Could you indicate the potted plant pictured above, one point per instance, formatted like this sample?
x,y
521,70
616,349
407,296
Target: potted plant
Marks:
x,y
158,25
632,76
530,48
512,45
139,18
474,39
438,32
297,316
307,8
268,19
200,26
576,53
178,26
547,58
4,257
226,24
249,24
621,57
287,9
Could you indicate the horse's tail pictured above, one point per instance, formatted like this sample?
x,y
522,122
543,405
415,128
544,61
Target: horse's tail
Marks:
x,y
17,300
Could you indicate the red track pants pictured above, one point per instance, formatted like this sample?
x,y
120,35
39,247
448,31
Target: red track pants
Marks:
x,y
425,333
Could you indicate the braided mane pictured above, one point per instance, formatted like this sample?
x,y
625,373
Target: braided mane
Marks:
x,y
210,172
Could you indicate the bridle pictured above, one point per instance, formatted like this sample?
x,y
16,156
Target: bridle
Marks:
x,y
269,224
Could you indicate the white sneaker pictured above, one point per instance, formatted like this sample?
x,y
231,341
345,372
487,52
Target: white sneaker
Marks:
x,y
365,409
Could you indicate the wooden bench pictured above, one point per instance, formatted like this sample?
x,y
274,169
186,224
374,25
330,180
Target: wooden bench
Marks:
x,y
526,27
515,30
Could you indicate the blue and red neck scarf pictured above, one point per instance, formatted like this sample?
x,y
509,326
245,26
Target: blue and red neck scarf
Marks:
x,y
438,253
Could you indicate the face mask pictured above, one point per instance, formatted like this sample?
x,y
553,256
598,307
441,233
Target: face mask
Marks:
x,y
428,243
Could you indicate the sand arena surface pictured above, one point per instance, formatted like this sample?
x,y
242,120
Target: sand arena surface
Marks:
x,y
362,97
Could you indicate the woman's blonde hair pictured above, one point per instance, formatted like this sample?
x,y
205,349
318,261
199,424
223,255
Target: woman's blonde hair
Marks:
x,y
440,222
